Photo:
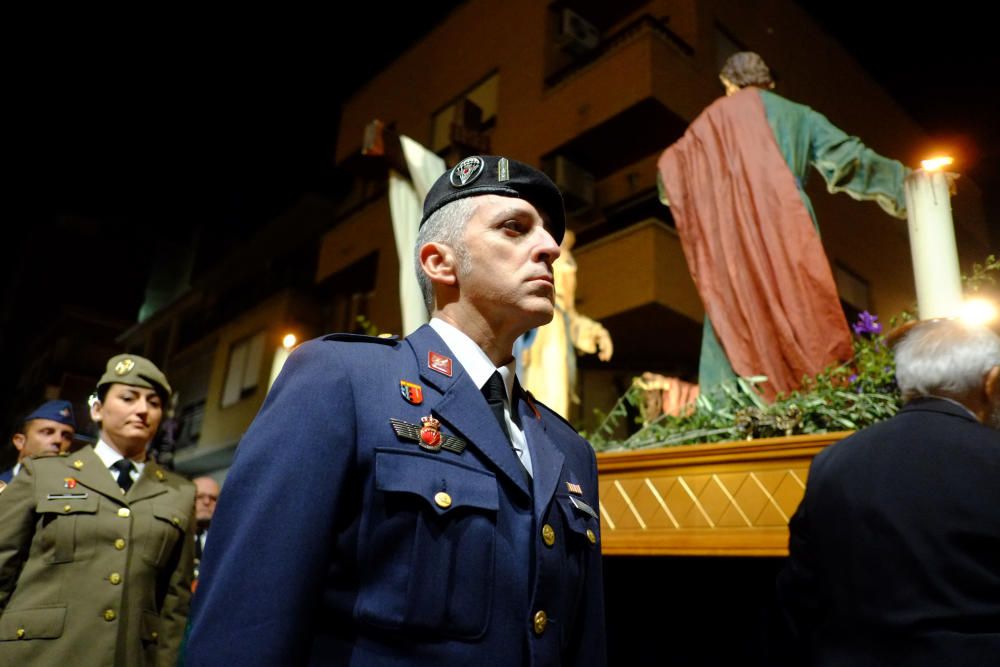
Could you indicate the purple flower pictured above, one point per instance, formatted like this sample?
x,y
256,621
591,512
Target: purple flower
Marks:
x,y
852,379
867,324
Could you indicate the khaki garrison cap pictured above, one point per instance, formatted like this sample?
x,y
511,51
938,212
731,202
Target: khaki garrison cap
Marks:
x,y
136,371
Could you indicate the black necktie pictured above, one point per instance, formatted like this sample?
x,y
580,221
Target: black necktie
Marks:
x,y
124,468
496,394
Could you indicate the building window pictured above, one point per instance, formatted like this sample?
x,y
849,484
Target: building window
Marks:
x,y
853,290
243,371
467,121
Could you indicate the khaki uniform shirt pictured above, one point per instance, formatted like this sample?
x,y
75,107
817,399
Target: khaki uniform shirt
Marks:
x,y
89,575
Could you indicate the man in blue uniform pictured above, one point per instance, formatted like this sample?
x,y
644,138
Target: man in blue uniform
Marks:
x,y
407,503
47,431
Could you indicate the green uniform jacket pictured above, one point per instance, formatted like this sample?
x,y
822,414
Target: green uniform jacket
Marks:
x,y
91,576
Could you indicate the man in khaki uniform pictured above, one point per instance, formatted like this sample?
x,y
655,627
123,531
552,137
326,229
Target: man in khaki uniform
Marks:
x,y
96,546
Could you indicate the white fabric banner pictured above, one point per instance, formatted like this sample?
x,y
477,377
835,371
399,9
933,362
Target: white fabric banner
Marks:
x,y
406,199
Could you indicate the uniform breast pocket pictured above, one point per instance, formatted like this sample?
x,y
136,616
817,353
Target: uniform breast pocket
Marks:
x,y
582,523
429,539
68,526
165,527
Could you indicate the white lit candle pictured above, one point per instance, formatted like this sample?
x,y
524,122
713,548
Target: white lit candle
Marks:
x,y
932,241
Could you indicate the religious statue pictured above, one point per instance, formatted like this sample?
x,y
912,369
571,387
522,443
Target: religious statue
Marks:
x,y
547,356
734,183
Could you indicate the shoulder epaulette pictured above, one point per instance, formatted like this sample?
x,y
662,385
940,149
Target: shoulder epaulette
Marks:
x,y
384,339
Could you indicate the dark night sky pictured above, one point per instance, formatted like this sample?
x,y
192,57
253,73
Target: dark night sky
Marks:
x,y
121,135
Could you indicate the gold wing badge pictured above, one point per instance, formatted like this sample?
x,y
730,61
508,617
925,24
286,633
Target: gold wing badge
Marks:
x,y
428,435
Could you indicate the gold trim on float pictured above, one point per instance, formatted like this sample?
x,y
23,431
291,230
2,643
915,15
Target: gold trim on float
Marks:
x,y
659,499
694,499
770,498
607,517
732,501
628,501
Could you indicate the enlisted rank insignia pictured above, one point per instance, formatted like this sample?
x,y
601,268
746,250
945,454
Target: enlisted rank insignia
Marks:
x,y
78,464
574,488
69,483
124,366
503,170
466,171
435,439
413,393
439,362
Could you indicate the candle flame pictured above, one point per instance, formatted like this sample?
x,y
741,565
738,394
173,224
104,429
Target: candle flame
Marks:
x,y
936,163
978,312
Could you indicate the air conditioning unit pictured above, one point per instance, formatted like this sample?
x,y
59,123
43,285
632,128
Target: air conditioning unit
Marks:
x,y
577,35
575,183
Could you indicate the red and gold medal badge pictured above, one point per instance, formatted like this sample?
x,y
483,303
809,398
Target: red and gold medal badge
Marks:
x,y
69,483
430,434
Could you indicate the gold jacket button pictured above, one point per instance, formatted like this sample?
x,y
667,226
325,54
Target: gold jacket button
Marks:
x,y
160,476
175,521
115,578
20,633
119,544
110,615
541,620
591,536
78,464
124,512
66,508
154,635
548,535
442,499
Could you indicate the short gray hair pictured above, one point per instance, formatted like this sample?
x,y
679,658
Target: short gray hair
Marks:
x,y
945,358
445,225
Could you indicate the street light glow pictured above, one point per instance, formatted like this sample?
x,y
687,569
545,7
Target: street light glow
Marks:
x,y
289,341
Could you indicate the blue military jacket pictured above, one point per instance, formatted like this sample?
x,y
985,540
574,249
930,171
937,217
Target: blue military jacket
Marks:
x,y
339,542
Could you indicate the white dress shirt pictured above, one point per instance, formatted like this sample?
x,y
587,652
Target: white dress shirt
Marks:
x,y
480,368
110,456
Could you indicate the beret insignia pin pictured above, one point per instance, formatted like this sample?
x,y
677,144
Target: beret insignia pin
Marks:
x,y
466,171
124,366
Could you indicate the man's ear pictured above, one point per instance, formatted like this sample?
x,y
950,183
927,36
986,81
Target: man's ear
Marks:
x,y
439,263
19,439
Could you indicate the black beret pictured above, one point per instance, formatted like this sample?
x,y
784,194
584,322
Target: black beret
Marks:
x,y
495,175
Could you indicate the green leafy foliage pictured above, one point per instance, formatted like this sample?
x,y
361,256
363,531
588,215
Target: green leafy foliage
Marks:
x,y
847,397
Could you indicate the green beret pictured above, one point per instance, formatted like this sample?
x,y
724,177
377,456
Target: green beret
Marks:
x,y
495,175
136,371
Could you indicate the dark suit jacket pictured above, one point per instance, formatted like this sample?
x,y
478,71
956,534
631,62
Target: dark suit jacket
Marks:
x,y
895,549
7,475
329,546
